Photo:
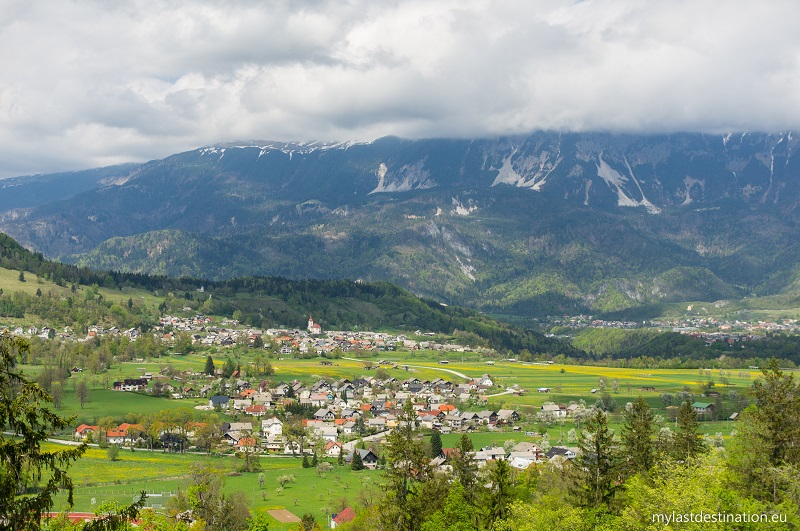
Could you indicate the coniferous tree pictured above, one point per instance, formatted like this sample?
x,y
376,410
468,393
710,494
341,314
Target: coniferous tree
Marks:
x,y
209,368
229,368
436,444
638,437
597,465
465,469
500,493
688,442
407,468
22,412
777,401
357,463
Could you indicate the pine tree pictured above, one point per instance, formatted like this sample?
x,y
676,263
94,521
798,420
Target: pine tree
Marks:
x,y
22,411
357,463
688,442
777,401
638,437
407,468
500,492
465,469
436,444
209,368
597,464
229,368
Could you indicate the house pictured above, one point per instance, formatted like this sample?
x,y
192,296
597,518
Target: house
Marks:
x,y
241,405
333,449
324,414
342,518
131,384
528,448
368,457
218,401
328,433
493,453
507,416
554,409
520,462
256,411
377,423
84,431
559,452
704,408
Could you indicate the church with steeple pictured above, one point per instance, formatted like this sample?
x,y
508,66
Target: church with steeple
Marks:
x,y
313,328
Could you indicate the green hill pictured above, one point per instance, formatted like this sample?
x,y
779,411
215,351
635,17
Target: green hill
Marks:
x,y
65,295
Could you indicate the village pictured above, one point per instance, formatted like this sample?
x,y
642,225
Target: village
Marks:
x,y
340,418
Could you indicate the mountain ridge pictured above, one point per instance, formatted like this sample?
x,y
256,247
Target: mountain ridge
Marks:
x,y
556,221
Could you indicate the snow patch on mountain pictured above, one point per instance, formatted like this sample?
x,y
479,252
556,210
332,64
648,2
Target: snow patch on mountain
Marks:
x,y
527,172
507,175
461,210
688,184
408,177
616,181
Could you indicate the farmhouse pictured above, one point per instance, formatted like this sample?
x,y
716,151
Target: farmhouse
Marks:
x,y
368,457
131,384
704,408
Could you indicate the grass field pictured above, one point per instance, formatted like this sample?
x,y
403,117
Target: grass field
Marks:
x,y
163,474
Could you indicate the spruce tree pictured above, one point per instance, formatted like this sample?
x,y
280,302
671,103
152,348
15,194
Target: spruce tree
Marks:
x,y
209,368
777,401
597,464
638,437
436,444
465,469
500,492
407,469
688,443
357,463
30,476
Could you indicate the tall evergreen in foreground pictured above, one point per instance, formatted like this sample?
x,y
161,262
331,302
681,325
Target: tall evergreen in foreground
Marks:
x,y
638,443
597,465
688,442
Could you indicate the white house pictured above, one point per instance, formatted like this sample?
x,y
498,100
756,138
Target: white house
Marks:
x,y
272,427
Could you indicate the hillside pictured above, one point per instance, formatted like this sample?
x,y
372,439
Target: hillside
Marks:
x,y
64,295
523,226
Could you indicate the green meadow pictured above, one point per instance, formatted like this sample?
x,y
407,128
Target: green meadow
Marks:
x,y
161,475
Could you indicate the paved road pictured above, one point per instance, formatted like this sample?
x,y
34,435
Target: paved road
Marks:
x,y
506,392
451,371
350,446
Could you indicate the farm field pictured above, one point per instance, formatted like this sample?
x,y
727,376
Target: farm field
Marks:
x,y
161,474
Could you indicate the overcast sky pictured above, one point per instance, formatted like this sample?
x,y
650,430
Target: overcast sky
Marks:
x,y
87,83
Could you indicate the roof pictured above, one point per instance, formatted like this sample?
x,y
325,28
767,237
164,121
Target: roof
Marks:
x,y
345,516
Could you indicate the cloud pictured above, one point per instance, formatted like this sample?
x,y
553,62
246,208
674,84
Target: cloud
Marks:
x,y
87,83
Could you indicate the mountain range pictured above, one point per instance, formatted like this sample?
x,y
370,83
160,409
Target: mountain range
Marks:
x,y
521,226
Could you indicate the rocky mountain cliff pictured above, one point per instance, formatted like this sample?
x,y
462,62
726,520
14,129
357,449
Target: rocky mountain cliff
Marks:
x,y
525,225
